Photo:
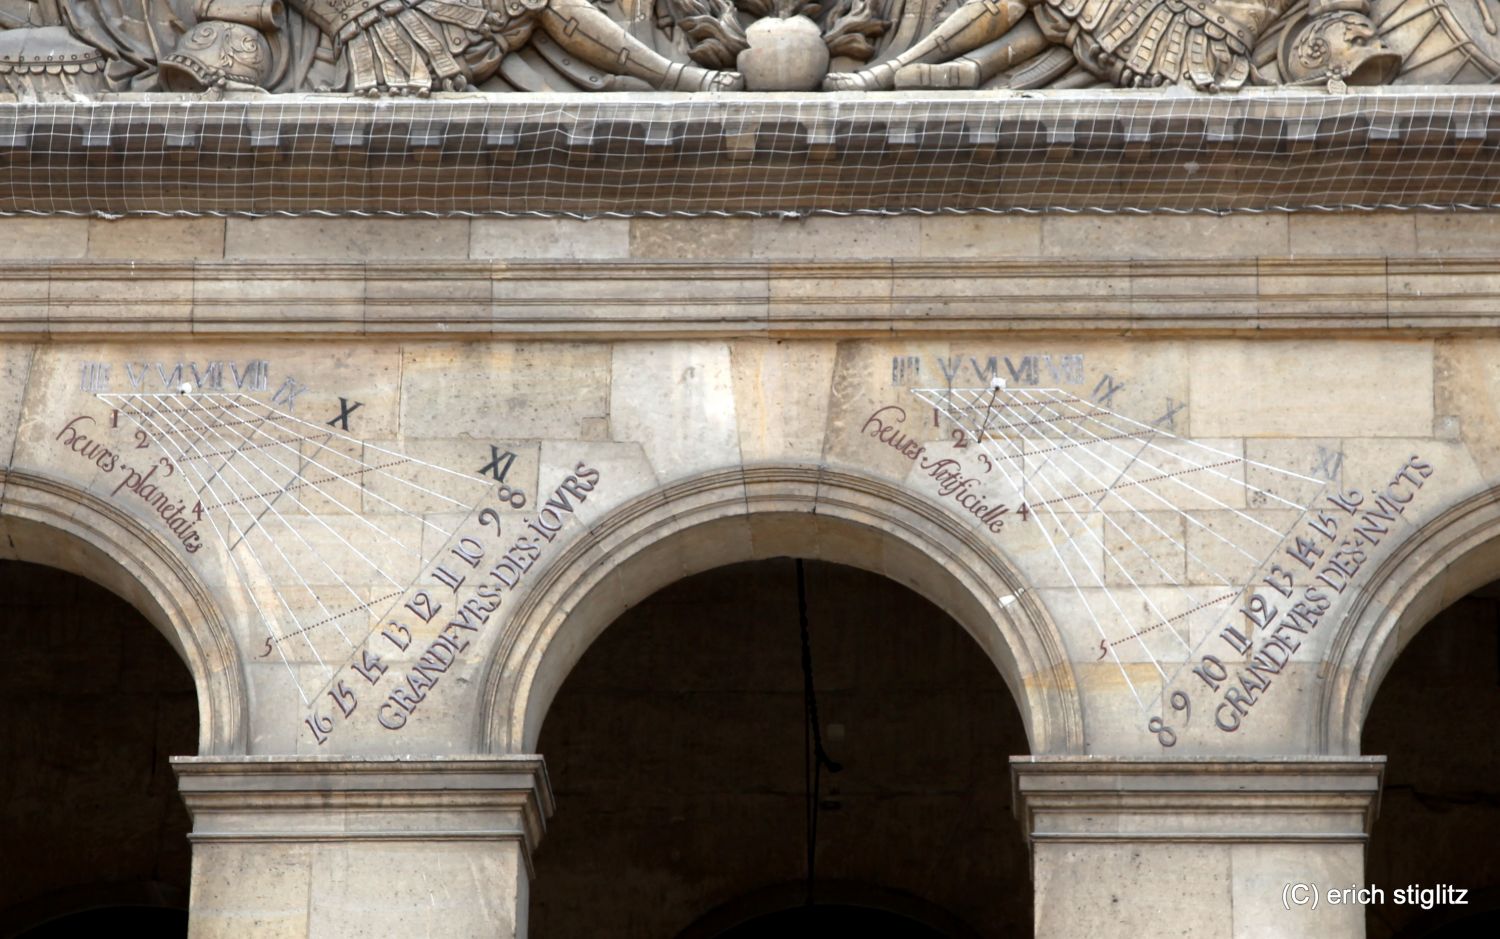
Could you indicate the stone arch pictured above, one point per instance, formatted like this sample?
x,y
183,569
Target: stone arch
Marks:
x,y
47,521
1443,561
756,512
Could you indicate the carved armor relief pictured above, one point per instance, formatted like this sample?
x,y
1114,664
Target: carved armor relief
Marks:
x,y
59,48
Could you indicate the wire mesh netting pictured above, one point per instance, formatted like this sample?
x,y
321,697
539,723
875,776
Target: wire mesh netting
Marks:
x,y
744,154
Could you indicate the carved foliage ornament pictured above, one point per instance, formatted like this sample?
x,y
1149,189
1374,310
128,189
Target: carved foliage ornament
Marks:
x,y
58,48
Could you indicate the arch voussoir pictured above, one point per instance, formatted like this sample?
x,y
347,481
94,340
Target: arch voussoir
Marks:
x,y
762,511
47,521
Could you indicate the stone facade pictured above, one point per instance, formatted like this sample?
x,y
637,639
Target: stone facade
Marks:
x,y
697,393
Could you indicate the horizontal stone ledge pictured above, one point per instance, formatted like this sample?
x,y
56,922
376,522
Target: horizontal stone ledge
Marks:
x,y
1201,799
287,799
737,153
69,300
292,774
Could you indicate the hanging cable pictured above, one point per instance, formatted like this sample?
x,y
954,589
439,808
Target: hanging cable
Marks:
x,y
815,758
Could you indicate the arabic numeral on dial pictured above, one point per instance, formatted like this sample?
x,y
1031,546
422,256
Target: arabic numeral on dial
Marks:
x,y
1164,734
423,606
490,517
401,643
1280,580
1260,613
468,550
1181,702
370,668
344,698
320,726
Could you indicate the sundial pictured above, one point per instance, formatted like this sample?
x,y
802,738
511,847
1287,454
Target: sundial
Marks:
x,y
1165,544
1192,569
330,536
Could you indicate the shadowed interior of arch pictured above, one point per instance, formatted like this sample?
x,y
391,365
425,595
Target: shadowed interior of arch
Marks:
x,y
91,826
679,751
1433,719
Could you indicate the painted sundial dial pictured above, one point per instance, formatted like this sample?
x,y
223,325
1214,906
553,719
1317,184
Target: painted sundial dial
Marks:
x,y
1178,557
1182,574
355,558
1118,500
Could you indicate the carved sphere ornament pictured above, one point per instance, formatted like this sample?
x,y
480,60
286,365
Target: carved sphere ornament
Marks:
x,y
783,55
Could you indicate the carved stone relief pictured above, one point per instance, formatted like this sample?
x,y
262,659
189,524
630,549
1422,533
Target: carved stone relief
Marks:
x,y
58,48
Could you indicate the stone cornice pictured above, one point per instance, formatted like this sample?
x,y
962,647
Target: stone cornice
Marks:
x,y
653,153
1199,799
290,799
617,298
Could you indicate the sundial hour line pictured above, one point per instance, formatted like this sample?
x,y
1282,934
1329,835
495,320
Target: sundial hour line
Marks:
x,y
1176,478
270,506
363,490
268,480
1213,471
1092,467
245,534
943,403
1163,620
296,475
1084,445
1106,556
267,619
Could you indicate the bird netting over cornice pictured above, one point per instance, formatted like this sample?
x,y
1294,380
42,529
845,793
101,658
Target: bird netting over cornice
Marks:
x,y
753,154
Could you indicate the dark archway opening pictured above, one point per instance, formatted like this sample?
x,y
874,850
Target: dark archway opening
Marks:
x,y
835,919
1434,718
91,827
676,750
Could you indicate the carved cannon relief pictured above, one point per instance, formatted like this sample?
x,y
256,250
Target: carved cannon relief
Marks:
x,y
61,48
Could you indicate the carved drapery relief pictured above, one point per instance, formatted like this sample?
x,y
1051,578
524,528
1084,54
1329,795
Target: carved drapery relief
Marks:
x,y
60,48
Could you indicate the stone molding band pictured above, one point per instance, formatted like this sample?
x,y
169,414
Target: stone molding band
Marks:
x,y
607,299
1240,800
299,799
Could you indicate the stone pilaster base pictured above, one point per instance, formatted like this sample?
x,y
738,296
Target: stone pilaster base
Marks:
x,y
312,847
1196,847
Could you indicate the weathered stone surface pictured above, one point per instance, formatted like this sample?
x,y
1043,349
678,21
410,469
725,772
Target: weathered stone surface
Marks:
x,y
550,238
15,365
167,239
1466,383
981,236
1163,236
1199,874
43,238
366,239
864,238
1463,233
1274,389
680,238
505,391
271,864
781,398
1375,234
677,401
